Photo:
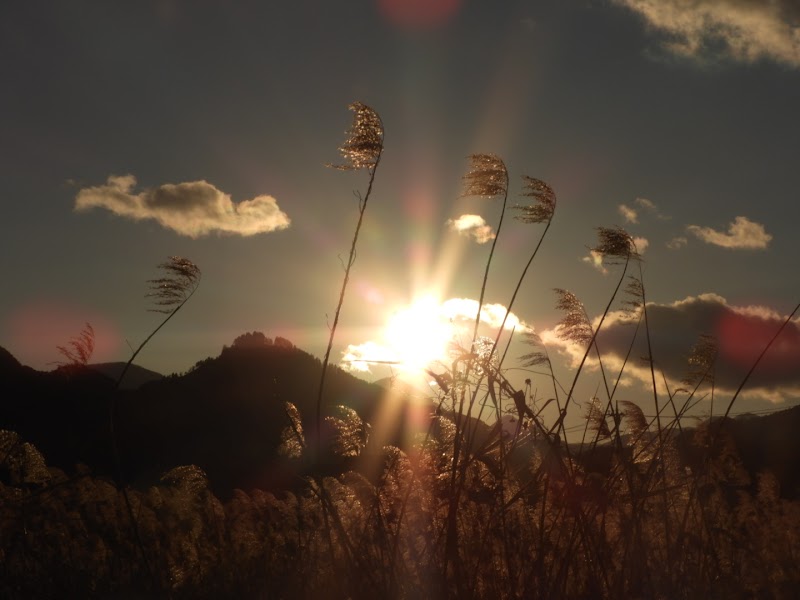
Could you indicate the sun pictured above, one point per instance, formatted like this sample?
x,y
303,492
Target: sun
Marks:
x,y
419,334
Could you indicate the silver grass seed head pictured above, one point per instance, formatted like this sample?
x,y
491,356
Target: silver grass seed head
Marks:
x,y
635,421
634,293
487,176
363,143
701,360
190,478
615,243
181,279
574,326
538,356
79,349
544,208
596,418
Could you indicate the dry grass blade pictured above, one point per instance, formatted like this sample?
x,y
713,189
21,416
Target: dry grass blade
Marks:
x,y
574,326
545,206
487,176
79,349
364,142
181,280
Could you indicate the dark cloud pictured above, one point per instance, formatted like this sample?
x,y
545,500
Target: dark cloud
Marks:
x,y
741,334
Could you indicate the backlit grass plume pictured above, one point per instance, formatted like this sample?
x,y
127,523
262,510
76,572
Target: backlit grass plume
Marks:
x,y
634,293
615,244
181,278
701,360
487,176
574,326
536,357
596,418
363,145
79,349
544,208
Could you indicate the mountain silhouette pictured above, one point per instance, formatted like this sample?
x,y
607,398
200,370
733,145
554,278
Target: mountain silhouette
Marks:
x,y
135,377
227,413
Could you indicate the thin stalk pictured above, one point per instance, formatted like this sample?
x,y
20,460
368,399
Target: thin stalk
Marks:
x,y
559,424
351,259
115,444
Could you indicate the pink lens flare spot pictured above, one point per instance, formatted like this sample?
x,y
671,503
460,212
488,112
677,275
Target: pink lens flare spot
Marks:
x,y
418,14
37,328
742,339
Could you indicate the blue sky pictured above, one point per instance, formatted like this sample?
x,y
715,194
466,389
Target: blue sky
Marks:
x,y
215,121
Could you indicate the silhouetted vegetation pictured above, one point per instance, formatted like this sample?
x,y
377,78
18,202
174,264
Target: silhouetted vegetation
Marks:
x,y
256,474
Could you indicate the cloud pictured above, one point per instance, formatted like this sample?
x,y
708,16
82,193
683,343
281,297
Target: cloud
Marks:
x,y
650,206
641,244
677,242
628,213
359,357
743,234
596,260
465,309
742,332
743,30
631,214
193,209
473,226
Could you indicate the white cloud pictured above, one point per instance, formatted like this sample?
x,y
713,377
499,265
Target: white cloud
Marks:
x,y
628,213
631,214
193,209
650,206
742,234
641,244
743,30
596,260
742,332
466,309
359,357
645,203
472,226
677,242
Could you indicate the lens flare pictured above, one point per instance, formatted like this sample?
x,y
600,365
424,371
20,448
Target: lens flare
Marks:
x,y
418,14
419,334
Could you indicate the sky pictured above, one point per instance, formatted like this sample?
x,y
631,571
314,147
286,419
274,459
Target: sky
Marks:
x,y
134,131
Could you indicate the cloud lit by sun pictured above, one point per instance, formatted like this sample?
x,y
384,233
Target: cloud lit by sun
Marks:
x,y
423,332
